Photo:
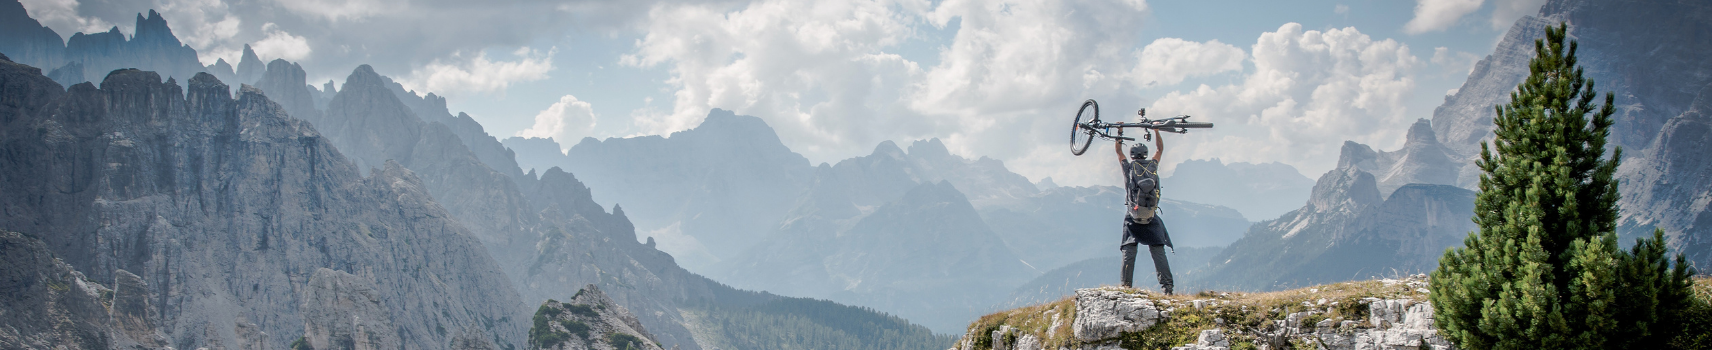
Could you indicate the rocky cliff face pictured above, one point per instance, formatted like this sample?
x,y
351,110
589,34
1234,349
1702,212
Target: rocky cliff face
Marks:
x,y
226,208
49,305
1667,186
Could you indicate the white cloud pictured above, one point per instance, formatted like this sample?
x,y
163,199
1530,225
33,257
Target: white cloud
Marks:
x,y
816,71
1168,61
1309,91
566,121
338,10
204,25
1436,15
1508,11
62,17
479,74
820,72
280,44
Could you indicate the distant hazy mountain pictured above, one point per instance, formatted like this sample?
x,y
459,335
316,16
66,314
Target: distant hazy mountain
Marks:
x,y
1348,230
926,256
1259,191
1187,268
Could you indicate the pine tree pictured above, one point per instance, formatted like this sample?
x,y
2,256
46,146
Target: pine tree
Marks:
x,y
1545,271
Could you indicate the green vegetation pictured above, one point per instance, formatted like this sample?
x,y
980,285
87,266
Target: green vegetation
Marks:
x,y
575,327
541,334
1545,271
624,341
799,323
302,343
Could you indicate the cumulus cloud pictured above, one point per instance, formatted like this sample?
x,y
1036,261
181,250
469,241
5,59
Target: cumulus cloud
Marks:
x,y
566,121
1167,61
62,17
821,73
817,71
280,44
479,74
1436,15
1308,91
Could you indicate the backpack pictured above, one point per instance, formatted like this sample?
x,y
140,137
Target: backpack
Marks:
x,y
1142,199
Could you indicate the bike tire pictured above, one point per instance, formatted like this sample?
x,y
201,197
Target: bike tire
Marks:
x,y
1194,125
1080,138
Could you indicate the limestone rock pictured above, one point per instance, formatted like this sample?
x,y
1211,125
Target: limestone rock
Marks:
x,y
1103,313
225,207
343,311
590,320
45,304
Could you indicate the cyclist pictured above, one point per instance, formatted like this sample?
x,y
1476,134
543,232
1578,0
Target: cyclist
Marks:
x,y
1141,226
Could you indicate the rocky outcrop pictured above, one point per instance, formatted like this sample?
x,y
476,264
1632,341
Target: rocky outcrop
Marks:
x,y
590,320
226,207
45,304
1383,314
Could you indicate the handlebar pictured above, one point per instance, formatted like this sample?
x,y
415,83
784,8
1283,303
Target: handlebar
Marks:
x,y
1178,124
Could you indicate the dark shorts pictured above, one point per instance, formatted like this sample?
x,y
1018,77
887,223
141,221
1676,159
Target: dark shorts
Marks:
x,y
1152,233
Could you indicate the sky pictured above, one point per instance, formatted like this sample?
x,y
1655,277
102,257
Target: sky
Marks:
x,y
1284,81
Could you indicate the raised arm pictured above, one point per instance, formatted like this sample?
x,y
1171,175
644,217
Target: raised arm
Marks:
x,y
1158,145
1122,158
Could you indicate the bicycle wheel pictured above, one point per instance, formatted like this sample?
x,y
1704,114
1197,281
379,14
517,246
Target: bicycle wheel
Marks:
x,y
1081,137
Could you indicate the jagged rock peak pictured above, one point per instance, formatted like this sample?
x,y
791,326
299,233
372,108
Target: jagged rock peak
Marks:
x,y
1345,188
364,77
1421,133
1357,155
889,149
929,149
153,29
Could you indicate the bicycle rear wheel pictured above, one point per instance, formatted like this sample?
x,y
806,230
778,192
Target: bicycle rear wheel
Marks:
x,y
1081,137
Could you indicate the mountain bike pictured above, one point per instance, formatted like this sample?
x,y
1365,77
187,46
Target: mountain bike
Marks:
x,y
1089,126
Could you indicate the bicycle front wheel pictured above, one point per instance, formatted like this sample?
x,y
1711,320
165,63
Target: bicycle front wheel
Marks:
x,y
1081,136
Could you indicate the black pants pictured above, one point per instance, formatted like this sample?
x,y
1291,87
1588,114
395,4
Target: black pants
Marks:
x,y
1160,266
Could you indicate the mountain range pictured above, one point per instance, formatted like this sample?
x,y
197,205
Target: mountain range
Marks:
x,y
253,223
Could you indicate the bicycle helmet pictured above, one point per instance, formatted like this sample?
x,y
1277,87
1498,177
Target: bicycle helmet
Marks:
x,y
1138,152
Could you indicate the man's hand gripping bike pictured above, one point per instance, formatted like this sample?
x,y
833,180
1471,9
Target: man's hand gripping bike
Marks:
x,y
1089,126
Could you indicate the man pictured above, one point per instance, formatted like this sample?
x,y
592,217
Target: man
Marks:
x,y
1141,226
